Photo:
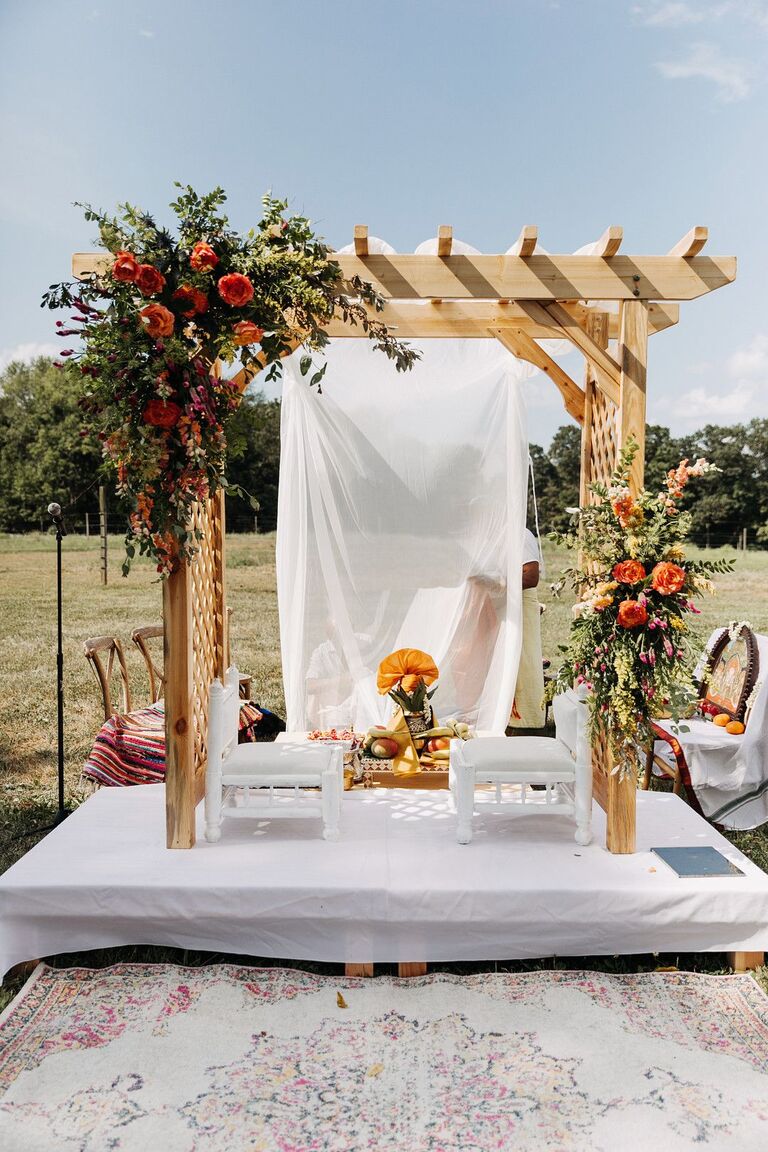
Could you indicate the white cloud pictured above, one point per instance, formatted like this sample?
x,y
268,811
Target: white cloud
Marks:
x,y
26,353
731,76
738,392
671,15
752,360
145,32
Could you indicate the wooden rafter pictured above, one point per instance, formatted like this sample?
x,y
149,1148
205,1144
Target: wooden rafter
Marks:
x,y
361,239
521,345
525,245
610,242
692,243
539,277
444,240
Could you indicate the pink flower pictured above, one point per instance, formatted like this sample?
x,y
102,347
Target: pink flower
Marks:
x,y
652,659
643,658
668,648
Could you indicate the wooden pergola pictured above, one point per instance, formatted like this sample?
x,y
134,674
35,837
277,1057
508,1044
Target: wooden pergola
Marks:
x,y
519,299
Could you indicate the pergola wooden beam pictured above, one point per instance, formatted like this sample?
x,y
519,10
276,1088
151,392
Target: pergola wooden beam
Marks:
x,y
468,319
610,242
444,240
525,245
692,243
520,344
361,239
539,277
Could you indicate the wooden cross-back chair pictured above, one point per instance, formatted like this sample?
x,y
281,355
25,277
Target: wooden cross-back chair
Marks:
x,y
97,649
142,638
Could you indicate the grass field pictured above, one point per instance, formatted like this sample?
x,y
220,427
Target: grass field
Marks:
x,y
28,643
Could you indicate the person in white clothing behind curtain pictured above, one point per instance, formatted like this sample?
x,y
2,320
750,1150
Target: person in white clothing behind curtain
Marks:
x,y
528,707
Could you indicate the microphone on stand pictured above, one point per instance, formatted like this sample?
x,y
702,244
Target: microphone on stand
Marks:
x,y
54,511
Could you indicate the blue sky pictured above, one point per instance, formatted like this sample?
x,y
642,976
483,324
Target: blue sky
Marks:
x,y
406,114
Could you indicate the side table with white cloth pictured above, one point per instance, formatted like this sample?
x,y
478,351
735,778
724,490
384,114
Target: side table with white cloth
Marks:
x,y
266,781
512,764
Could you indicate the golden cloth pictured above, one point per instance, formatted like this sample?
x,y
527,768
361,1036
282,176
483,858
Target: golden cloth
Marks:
x,y
528,708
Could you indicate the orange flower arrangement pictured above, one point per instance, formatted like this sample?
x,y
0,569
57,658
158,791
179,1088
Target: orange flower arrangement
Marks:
x,y
203,258
631,614
157,320
405,675
195,302
148,280
629,572
235,289
157,317
125,267
667,578
246,332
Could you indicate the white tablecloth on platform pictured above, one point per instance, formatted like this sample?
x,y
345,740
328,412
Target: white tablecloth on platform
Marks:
x,y
396,886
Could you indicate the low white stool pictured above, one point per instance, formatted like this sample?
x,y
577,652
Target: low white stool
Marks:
x,y
265,781
522,761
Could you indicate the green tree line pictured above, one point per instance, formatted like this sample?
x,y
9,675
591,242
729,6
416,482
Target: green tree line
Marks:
x,y
45,456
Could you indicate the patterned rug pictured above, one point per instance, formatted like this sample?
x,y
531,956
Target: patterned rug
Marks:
x,y
143,1058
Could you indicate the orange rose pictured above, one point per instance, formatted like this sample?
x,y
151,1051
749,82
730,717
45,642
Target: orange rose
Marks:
x,y
148,280
629,572
667,578
194,300
235,289
125,266
161,413
631,614
157,320
246,332
405,667
203,257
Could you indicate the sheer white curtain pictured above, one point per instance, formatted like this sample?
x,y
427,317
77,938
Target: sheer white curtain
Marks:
x,y
401,521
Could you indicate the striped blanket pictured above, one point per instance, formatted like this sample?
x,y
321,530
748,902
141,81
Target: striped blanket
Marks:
x,y
130,748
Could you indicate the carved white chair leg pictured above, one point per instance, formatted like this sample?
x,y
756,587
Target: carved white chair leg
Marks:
x,y
213,796
582,792
464,797
331,801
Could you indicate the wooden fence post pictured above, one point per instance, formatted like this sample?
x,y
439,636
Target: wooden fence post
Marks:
x,y
179,736
103,531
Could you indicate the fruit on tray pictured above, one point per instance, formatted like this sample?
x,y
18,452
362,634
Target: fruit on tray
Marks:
x,y
384,748
334,735
437,743
441,754
722,719
735,727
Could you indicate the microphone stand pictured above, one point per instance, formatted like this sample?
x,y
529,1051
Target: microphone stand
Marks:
x,y
62,811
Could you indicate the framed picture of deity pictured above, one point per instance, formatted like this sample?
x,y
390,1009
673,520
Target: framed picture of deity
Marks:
x,y
733,670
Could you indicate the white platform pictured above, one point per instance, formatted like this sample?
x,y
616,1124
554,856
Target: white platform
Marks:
x,y
396,886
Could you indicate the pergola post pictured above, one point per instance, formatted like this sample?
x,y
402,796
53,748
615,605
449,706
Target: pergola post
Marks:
x,y
633,360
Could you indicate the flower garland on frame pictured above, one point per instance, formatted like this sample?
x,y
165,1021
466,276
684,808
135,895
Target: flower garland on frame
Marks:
x,y
154,323
631,644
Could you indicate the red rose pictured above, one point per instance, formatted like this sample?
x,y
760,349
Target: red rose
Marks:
x,y
148,280
161,413
631,614
194,301
235,289
203,257
629,572
246,332
125,266
667,578
157,320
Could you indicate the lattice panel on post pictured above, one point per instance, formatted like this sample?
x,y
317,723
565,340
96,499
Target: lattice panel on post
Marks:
x,y
207,607
603,438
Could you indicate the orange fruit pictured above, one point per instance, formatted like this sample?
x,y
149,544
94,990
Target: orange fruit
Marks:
x,y
735,727
722,719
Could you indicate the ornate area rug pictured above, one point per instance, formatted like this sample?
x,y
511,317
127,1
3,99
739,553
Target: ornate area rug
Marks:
x,y
139,1058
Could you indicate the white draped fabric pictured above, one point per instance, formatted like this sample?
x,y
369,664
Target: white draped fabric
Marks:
x,y
401,523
